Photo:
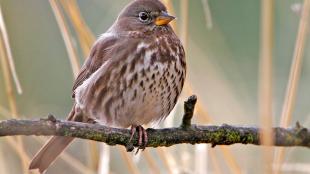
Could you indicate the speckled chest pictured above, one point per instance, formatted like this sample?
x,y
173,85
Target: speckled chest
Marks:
x,y
154,82
143,87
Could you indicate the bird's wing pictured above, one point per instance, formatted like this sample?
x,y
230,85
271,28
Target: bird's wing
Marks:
x,y
98,56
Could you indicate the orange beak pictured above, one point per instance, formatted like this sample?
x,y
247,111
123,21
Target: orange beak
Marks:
x,y
163,19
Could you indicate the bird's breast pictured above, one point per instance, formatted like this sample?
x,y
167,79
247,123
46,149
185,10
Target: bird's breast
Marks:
x,y
142,88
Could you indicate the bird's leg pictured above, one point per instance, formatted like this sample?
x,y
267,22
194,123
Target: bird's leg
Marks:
x,y
142,136
132,131
143,139
140,131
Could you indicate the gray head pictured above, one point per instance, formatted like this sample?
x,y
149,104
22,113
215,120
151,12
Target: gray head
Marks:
x,y
143,15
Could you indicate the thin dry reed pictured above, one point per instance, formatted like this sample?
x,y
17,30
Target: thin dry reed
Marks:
x,y
166,159
94,155
3,166
292,86
202,114
151,162
231,161
86,39
265,83
105,159
208,15
9,56
5,58
132,168
72,53
184,23
201,158
215,164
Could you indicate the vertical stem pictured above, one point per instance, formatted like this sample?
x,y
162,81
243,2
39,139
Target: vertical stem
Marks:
x,y
72,53
131,166
214,162
104,162
5,56
167,160
265,84
84,35
201,160
231,161
207,11
184,24
9,56
151,162
291,90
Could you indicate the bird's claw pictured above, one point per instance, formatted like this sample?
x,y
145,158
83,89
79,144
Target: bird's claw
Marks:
x,y
142,137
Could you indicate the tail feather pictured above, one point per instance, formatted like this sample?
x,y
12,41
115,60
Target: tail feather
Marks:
x,y
52,149
49,152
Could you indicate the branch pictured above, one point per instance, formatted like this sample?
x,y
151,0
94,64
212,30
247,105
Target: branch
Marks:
x,y
186,133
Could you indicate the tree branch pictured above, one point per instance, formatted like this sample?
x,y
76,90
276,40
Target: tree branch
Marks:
x,y
186,133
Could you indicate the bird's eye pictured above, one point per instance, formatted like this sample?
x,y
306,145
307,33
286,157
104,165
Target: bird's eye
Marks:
x,y
144,16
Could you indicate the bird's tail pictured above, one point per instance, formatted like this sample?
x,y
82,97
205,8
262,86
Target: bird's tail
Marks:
x,y
51,150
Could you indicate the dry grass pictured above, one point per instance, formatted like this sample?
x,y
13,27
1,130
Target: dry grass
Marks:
x,y
295,168
265,85
204,117
132,168
215,164
230,160
201,158
86,38
294,77
208,15
72,53
94,155
3,166
105,160
184,23
9,55
167,159
151,162
7,62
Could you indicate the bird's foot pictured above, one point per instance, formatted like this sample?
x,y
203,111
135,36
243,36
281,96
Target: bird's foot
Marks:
x,y
142,137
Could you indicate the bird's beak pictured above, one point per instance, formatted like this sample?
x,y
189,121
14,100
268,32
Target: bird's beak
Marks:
x,y
163,19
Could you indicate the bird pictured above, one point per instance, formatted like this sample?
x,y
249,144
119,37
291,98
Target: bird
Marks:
x,y
133,76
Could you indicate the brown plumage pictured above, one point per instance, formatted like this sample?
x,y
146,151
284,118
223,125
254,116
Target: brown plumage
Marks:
x,y
133,76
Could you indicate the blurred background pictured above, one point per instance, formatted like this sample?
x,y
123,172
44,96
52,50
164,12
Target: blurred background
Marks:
x,y
239,56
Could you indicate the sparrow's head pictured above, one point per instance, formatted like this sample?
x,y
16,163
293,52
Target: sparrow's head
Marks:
x,y
143,15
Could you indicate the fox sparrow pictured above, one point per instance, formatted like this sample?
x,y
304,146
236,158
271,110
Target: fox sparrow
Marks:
x,y
133,76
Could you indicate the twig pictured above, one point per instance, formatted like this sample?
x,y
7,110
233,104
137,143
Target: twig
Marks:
x,y
189,106
216,135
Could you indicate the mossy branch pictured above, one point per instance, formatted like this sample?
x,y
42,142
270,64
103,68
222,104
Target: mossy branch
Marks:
x,y
186,133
